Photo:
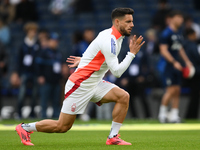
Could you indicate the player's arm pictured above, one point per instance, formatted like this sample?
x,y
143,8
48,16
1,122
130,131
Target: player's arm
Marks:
x,y
116,68
165,53
185,58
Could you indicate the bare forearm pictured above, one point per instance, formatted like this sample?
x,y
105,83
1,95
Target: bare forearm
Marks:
x,y
167,56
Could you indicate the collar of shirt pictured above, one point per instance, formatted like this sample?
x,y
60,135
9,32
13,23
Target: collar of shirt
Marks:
x,y
116,33
29,42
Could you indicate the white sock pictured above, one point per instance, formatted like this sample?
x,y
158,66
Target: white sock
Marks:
x,y
114,129
29,127
163,111
174,113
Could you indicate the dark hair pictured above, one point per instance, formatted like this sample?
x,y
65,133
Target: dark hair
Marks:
x,y
121,12
188,31
174,13
188,18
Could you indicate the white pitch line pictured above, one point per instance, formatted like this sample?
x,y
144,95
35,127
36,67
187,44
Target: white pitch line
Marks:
x,y
126,127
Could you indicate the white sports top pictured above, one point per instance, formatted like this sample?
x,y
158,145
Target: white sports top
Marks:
x,y
99,57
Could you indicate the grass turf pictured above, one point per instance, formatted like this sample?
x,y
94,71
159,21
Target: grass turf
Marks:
x,y
95,140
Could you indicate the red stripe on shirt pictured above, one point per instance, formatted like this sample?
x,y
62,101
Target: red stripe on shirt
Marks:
x,y
84,73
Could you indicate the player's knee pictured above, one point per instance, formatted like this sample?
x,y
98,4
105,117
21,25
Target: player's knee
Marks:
x,y
125,98
175,91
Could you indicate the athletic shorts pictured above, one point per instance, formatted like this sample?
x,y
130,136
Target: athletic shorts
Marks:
x,y
172,76
77,98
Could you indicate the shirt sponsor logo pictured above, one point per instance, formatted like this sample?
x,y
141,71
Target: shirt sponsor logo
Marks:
x,y
113,49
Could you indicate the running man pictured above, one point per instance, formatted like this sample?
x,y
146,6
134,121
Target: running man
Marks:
x,y
86,83
170,48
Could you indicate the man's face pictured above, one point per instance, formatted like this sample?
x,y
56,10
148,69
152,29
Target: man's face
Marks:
x,y
53,44
126,25
32,33
89,35
178,20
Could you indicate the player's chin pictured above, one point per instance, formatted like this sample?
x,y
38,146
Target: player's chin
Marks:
x,y
127,34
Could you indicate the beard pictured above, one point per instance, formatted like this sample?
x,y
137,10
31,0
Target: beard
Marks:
x,y
124,32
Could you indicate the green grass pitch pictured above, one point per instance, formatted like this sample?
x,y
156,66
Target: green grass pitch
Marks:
x,y
95,139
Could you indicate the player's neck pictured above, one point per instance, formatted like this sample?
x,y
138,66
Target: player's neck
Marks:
x,y
173,27
117,28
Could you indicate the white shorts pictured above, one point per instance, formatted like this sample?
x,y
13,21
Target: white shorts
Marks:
x,y
78,97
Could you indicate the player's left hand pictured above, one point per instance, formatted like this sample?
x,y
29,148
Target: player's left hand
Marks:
x,y
136,44
73,60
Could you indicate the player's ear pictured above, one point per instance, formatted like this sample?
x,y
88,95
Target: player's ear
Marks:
x,y
116,21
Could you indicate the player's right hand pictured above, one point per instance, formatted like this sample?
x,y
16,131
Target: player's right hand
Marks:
x,y
74,61
177,66
136,44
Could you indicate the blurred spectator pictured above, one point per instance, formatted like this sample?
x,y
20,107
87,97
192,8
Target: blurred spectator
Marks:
x,y
58,7
43,34
49,74
151,49
3,69
26,11
159,21
151,42
25,69
81,46
7,11
193,52
3,61
189,23
134,81
4,32
77,38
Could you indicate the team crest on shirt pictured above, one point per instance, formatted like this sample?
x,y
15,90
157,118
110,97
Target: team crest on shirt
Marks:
x,y
113,49
73,107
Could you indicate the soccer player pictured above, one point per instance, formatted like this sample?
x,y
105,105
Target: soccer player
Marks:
x,y
86,83
170,47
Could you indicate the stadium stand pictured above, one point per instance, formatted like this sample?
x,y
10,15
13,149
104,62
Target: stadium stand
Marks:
x,y
67,23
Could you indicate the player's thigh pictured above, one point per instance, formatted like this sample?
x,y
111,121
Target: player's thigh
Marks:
x,y
114,95
173,90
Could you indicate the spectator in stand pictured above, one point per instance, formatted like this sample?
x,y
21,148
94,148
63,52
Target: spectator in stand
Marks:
x,y
193,52
58,7
189,23
151,49
7,11
159,21
4,32
49,67
26,11
3,69
88,37
43,34
26,67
